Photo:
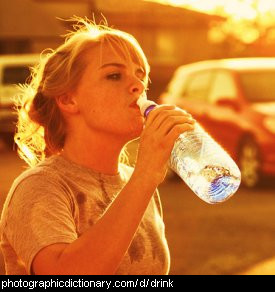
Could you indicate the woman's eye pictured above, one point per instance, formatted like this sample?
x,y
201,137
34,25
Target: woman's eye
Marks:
x,y
114,76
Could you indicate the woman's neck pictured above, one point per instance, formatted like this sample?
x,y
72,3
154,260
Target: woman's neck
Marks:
x,y
98,152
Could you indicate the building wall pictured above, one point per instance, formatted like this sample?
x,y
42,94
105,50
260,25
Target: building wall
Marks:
x,y
169,36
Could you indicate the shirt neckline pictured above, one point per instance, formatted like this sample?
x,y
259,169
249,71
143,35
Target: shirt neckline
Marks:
x,y
83,171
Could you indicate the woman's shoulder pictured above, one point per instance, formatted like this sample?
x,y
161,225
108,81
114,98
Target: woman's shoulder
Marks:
x,y
37,174
34,182
31,186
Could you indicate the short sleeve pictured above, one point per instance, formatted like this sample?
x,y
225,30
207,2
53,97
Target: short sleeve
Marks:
x,y
40,213
158,203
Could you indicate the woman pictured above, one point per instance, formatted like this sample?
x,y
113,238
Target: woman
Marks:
x,y
79,209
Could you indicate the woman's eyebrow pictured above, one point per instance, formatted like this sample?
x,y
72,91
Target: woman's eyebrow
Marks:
x,y
112,64
120,65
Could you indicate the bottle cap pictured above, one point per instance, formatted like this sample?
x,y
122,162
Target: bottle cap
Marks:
x,y
144,105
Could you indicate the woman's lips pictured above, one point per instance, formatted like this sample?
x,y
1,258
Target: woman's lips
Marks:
x,y
134,105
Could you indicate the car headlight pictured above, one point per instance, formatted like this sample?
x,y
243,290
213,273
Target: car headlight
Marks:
x,y
269,123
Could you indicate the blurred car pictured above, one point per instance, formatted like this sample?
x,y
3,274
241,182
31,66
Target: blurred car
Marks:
x,y
234,100
14,69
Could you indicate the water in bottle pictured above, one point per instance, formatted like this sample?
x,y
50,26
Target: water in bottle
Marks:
x,y
202,163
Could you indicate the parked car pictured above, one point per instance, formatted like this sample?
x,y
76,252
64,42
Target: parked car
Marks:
x,y
234,100
14,69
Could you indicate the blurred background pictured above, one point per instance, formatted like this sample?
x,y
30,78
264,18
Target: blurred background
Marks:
x,y
235,98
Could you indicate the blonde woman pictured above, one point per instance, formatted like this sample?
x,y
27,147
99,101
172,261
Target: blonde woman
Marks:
x,y
79,209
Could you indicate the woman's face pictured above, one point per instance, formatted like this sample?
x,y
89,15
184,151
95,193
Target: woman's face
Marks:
x,y
108,92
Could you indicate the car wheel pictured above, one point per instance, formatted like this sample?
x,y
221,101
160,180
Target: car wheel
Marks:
x,y
249,162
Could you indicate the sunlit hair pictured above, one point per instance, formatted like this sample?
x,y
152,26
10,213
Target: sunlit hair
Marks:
x,y
41,128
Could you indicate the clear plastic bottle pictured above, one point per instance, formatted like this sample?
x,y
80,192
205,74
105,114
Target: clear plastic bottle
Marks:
x,y
202,163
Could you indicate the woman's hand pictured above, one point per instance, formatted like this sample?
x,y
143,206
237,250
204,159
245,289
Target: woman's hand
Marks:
x,y
163,126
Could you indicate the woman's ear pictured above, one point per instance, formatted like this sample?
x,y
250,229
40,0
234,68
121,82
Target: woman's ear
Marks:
x,y
67,104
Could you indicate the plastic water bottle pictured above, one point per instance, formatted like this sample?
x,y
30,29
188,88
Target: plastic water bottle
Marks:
x,y
202,163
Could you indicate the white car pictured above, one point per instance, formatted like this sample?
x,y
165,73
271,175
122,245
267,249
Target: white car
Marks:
x,y
234,100
14,69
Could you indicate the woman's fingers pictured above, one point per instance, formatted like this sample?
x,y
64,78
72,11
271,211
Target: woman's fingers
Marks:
x,y
163,126
163,119
155,114
167,125
177,130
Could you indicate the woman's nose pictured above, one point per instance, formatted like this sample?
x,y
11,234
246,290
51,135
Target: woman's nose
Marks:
x,y
137,86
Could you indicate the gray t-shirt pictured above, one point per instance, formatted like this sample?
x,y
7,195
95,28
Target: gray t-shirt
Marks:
x,y
58,200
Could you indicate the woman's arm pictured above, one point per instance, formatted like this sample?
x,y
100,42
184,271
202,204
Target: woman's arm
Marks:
x,y
101,248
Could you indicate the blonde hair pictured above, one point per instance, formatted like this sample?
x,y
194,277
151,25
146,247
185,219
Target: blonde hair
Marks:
x,y
41,128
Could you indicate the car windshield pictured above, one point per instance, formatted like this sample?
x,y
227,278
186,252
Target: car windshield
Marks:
x,y
15,74
258,86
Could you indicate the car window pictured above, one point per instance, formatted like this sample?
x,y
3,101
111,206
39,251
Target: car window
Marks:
x,y
15,74
177,84
258,86
198,85
223,87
